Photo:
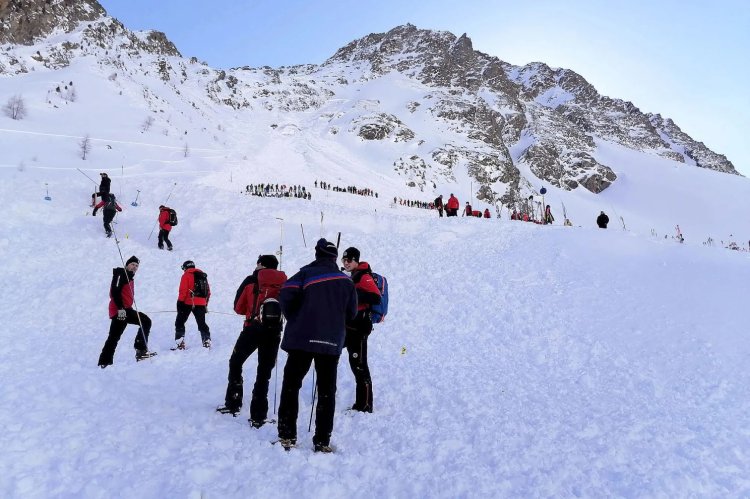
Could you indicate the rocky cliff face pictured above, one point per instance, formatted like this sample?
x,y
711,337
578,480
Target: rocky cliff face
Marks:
x,y
510,129
25,21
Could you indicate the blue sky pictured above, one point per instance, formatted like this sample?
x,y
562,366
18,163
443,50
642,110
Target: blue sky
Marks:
x,y
687,60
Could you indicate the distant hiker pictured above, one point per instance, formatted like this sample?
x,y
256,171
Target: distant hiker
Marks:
x,y
359,328
467,210
256,299
452,207
602,220
525,217
192,297
514,215
568,223
110,209
487,213
122,298
317,301
165,214
104,188
548,218
439,204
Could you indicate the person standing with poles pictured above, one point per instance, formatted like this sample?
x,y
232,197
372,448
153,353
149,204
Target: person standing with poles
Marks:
x,y
165,214
256,299
317,301
109,203
121,312
192,297
359,328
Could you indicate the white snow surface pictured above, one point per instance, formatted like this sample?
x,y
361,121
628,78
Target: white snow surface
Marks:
x,y
517,360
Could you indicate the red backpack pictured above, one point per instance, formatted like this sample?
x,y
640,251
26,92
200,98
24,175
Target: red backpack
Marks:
x,y
260,301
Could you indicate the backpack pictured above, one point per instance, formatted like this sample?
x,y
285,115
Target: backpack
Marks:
x,y
111,203
172,217
200,286
266,306
379,311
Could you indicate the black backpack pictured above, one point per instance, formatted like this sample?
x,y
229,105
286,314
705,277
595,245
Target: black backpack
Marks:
x,y
200,288
111,203
172,217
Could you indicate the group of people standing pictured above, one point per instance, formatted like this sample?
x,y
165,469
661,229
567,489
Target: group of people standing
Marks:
x,y
325,311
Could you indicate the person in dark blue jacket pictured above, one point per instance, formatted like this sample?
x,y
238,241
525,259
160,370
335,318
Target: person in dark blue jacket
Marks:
x,y
316,301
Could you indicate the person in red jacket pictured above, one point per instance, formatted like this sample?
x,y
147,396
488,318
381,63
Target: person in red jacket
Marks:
x,y
122,298
261,331
452,206
192,298
359,328
487,213
164,227
467,210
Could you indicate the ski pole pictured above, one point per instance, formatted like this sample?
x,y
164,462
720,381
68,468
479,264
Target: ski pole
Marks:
x,y
303,235
127,277
47,198
94,181
165,202
281,241
135,203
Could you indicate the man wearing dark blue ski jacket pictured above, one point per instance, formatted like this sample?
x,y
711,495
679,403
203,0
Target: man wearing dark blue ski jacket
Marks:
x,y
316,301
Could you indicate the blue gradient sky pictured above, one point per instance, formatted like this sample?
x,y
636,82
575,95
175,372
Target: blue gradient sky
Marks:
x,y
688,60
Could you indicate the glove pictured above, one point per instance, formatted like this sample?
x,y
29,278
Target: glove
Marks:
x,y
93,213
121,315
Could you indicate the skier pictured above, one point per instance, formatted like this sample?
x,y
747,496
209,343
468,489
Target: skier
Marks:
x,y
439,205
467,210
317,301
104,188
359,328
192,297
452,207
261,331
602,220
122,298
548,218
164,227
110,207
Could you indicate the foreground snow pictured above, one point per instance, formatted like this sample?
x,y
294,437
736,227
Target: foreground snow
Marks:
x,y
517,360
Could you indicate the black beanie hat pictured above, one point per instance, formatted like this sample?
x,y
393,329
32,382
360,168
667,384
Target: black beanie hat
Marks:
x,y
268,261
351,253
326,249
132,259
189,264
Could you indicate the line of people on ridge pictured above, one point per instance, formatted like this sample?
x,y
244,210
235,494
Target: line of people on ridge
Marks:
x,y
325,311
274,190
351,189
167,218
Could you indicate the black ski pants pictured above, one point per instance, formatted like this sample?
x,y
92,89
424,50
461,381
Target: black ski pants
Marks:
x,y
117,327
164,238
183,312
297,365
357,333
266,340
107,217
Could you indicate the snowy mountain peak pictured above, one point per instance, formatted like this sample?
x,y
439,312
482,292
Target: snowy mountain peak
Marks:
x,y
26,21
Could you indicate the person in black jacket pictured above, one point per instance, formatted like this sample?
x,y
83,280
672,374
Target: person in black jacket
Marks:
x,y
439,204
602,220
110,209
316,301
104,188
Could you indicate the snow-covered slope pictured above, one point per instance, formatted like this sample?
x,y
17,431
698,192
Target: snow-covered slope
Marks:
x,y
517,360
